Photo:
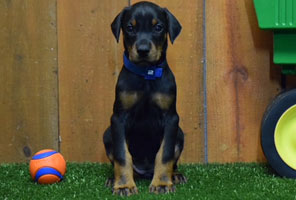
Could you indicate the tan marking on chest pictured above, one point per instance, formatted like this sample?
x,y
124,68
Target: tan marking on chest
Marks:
x,y
164,101
128,99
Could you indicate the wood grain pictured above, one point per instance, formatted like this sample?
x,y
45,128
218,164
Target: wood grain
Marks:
x,y
28,78
241,80
89,62
185,59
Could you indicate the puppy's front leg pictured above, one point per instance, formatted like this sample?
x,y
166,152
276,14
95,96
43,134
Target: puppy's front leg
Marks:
x,y
124,184
165,158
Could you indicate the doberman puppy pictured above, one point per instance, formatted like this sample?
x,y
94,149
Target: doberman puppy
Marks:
x,y
144,138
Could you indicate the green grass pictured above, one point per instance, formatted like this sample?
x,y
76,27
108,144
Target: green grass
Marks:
x,y
213,181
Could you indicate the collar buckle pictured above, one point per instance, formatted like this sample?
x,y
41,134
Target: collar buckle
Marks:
x,y
152,74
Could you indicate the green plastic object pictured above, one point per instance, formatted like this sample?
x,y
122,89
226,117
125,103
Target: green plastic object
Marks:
x,y
284,47
276,14
280,17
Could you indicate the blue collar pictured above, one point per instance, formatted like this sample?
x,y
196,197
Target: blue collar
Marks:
x,y
149,73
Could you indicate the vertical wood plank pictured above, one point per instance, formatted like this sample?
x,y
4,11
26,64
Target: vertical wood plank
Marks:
x,y
185,59
28,78
89,62
241,80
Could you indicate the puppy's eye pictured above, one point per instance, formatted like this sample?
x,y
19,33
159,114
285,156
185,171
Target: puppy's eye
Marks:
x,y
129,28
158,28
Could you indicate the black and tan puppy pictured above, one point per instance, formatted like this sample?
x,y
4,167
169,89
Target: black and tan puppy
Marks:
x,y
144,138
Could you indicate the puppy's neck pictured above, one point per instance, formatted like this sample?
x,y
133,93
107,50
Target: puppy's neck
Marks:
x,y
146,63
149,71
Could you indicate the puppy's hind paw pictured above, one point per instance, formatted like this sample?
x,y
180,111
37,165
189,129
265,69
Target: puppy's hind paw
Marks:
x,y
109,182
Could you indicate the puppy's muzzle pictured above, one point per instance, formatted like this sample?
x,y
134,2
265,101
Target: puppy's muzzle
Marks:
x,y
143,48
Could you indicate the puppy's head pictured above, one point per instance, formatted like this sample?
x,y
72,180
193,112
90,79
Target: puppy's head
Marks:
x,y
145,27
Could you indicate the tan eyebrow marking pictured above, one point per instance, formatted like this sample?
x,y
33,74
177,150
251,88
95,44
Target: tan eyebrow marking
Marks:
x,y
134,22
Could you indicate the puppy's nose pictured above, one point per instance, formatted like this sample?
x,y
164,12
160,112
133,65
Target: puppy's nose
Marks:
x,y
143,49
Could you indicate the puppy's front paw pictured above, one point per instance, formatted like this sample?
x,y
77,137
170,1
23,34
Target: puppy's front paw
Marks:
x,y
162,189
125,191
179,178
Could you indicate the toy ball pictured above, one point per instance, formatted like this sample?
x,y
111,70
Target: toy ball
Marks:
x,y
47,166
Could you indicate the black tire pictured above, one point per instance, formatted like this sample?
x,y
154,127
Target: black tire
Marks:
x,y
273,113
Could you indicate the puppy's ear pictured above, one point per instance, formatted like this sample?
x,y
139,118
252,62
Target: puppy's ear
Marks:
x,y
174,27
116,24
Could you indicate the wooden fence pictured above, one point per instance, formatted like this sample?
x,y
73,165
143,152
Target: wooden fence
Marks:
x,y
59,63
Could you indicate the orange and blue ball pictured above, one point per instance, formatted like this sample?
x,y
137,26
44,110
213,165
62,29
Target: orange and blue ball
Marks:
x,y
47,166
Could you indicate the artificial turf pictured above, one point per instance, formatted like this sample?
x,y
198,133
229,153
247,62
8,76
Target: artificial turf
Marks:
x,y
212,181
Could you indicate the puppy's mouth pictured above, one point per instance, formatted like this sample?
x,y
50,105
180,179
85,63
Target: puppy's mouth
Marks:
x,y
150,57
